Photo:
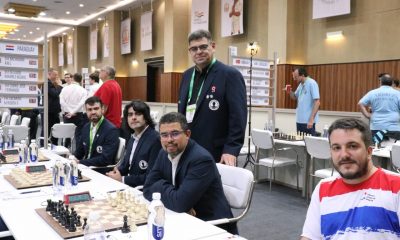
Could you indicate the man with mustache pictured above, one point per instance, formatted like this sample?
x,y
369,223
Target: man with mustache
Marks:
x,y
186,175
99,141
361,204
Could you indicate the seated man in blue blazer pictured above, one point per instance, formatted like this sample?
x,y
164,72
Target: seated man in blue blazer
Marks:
x,y
142,148
99,142
186,175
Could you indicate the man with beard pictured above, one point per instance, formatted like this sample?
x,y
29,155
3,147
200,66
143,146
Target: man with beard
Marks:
x,y
99,142
361,204
142,148
186,175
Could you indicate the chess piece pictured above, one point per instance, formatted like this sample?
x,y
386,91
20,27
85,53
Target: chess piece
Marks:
x,y
71,227
125,228
84,223
49,206
78,221
79,174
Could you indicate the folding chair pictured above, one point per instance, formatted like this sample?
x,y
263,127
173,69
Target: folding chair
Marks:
x,y
238,184
263,139
25,121
63,131
14,120
5,118
395,157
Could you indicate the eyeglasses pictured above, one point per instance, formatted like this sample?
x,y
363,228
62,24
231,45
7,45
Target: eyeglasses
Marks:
x,y
173,134
202,47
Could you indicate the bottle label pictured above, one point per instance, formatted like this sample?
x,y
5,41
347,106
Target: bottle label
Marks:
x,y
157,232
74,180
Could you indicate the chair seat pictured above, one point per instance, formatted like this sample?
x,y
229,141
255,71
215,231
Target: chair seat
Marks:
x,y
279,162
325,173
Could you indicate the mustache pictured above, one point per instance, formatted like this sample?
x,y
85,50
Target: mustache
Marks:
x,y
347,161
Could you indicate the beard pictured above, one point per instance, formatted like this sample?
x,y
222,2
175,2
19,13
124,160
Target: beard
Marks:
x,y
362,169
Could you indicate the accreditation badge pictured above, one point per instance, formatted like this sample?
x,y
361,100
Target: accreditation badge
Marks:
x,y
190,110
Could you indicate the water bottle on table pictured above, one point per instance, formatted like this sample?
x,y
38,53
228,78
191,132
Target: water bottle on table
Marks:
x,y
325,133
33,151
155,223
2,140
10,138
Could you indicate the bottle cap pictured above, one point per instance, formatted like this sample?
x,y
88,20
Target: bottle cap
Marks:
x,y
33,141
156,196
23,142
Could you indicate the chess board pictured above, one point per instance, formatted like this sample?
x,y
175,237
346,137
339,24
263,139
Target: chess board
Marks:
x,y
289,137
20,179
110,217
14,158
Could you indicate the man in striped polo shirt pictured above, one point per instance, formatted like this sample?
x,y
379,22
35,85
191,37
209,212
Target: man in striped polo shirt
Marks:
x,y
361,204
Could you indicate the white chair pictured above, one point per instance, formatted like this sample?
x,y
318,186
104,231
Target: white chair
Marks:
x,y
63,131
238,184
14,119
5,118
395,157
20,132
5,234
319,149
121,149
25,121
263,139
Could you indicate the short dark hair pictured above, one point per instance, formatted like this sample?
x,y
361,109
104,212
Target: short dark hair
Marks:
x,y
140,107
302,71
69,74
175,117
92,100
78,77
199,34
382,74
396,82
386,81
95,76
350,124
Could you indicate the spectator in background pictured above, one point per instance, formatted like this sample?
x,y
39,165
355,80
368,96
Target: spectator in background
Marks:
x,y
72,99
384,103
111,95
396,84
67,79
94,82
54,90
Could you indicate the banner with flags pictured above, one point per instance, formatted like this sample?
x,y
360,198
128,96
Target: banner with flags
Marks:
x,y
146,31
126,36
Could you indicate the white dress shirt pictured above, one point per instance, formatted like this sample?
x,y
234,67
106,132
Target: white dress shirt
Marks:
x,y
72,98
174,162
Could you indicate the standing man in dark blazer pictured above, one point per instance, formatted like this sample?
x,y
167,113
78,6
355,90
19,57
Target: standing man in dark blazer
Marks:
x,y
142,148
186,175
54,90
212,96
99,142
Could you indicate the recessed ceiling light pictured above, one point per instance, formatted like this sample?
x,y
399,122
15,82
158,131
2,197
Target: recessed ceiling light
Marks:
x,y
38,28
16,30
67,12
42,14
19,39
81,5
11,10
34,0
24,36
30,32
99,19
11,33
64,33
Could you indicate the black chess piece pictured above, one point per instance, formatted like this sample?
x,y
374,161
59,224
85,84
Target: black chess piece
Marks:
x,y
71,225
78,221
84,223
79,174
49,206
125,228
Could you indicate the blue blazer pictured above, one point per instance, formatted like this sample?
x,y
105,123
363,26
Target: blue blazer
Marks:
x,y
219,123
143,158
197,184
105,145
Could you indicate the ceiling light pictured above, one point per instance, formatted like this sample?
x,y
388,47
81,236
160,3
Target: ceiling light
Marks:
x,y
81,5
11,10
16,30
42,14
23,10
64,33
24,36
67,12
19,39
38,28
12,33
30,32
99,19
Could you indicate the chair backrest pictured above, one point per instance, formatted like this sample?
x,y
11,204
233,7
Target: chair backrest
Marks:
x,y
395,156
5,118
20,132
154,116
14,119
262,138
121,149
238,184
63,130
318,147
25,121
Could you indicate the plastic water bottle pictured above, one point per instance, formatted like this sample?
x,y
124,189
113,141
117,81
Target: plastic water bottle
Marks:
x,y
33,151
10,138
2,142
23,152
325,133
155,223
94,229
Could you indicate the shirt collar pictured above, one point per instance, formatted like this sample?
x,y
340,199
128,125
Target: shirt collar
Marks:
x,y
176,159
137,137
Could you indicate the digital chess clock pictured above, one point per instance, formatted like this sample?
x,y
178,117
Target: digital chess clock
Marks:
x,y
35,168
77,197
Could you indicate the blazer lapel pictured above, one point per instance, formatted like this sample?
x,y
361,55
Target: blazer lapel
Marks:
x,y
183,97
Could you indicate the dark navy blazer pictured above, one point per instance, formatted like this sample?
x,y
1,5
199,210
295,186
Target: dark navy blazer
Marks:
x,y
105,145
219,123
197,184
143,158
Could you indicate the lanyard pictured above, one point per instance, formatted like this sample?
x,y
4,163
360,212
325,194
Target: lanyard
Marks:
x,y
201,87
91,134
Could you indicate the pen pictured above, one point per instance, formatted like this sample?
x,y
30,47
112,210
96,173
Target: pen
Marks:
x,y
116,190
30,191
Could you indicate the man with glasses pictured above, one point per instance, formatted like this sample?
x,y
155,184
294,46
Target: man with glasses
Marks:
x,y
142,148
186,175
212,95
